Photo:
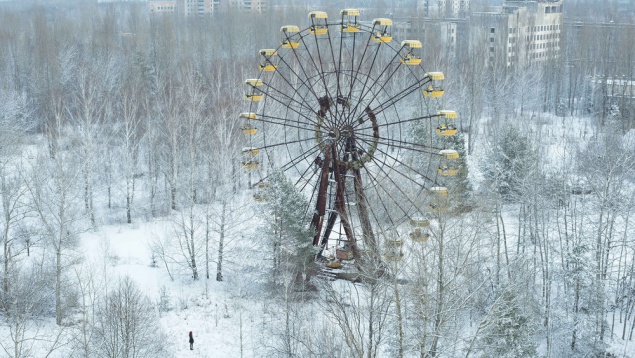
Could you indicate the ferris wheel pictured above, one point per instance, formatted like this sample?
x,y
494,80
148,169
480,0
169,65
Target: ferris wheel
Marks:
x,y
352,118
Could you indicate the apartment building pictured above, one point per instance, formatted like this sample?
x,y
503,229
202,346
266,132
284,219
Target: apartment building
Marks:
x,y
197,7
436,9
436,33
250,5
522,31
159,7
206,7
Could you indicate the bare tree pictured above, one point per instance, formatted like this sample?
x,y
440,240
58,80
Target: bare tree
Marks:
x,y
53,192
28,300
131,133
127,325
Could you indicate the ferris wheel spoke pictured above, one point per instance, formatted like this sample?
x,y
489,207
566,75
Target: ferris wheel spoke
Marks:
x,y
391,195
388,194
282,121
402,144
299,158
365,85
319,70
295,161
402,163
338,61
307,180
270,146
382,87
390,102
288,105
361,61
385,208
300,61
402,121
305,83
402,94
357,72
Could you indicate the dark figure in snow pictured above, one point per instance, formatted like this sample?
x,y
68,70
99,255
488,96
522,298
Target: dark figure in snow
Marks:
x,y
191,341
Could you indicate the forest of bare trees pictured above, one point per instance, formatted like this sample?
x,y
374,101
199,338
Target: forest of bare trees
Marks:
x,y
111,116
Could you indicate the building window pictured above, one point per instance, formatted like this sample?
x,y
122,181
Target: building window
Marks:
x,y
491,30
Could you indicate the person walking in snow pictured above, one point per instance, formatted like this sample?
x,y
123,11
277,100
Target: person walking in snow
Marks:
x,y
191,341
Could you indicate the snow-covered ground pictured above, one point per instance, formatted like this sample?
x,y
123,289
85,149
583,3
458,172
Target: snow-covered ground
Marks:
x,y
228,321
212,313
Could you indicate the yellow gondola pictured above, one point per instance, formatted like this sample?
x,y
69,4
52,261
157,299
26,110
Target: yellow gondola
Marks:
x,y
288,38
318,23
447,129
250,164
434,90
343,254
436,76
261,186
249,130
412,54
251,151
448,166
266,63
254,94
393,250
420,233
248,115
381,30
419,223
349,20
439,199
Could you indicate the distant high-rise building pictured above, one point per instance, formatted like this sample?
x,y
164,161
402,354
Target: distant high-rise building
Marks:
x,y
197,7
158,7
522,31
443,8
205,7
249,5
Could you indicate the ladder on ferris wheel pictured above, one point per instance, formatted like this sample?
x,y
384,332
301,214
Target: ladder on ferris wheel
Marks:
x,y
326,273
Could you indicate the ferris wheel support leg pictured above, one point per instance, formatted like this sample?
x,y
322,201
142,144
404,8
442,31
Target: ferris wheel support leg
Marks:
x,y
327,231
341,209
373,264
367,229
320,206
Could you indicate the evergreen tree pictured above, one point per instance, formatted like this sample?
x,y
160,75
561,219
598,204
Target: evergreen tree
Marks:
x,y
508,330
288,229
459,185
509,162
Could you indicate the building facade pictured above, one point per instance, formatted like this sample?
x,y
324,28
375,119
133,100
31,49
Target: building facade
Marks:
x,y
250,5
206,7
197,7
158,7
436,9
521,32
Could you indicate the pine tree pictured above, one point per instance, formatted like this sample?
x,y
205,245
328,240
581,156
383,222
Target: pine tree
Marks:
x,y
510,160
459,185
288,231
508,330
